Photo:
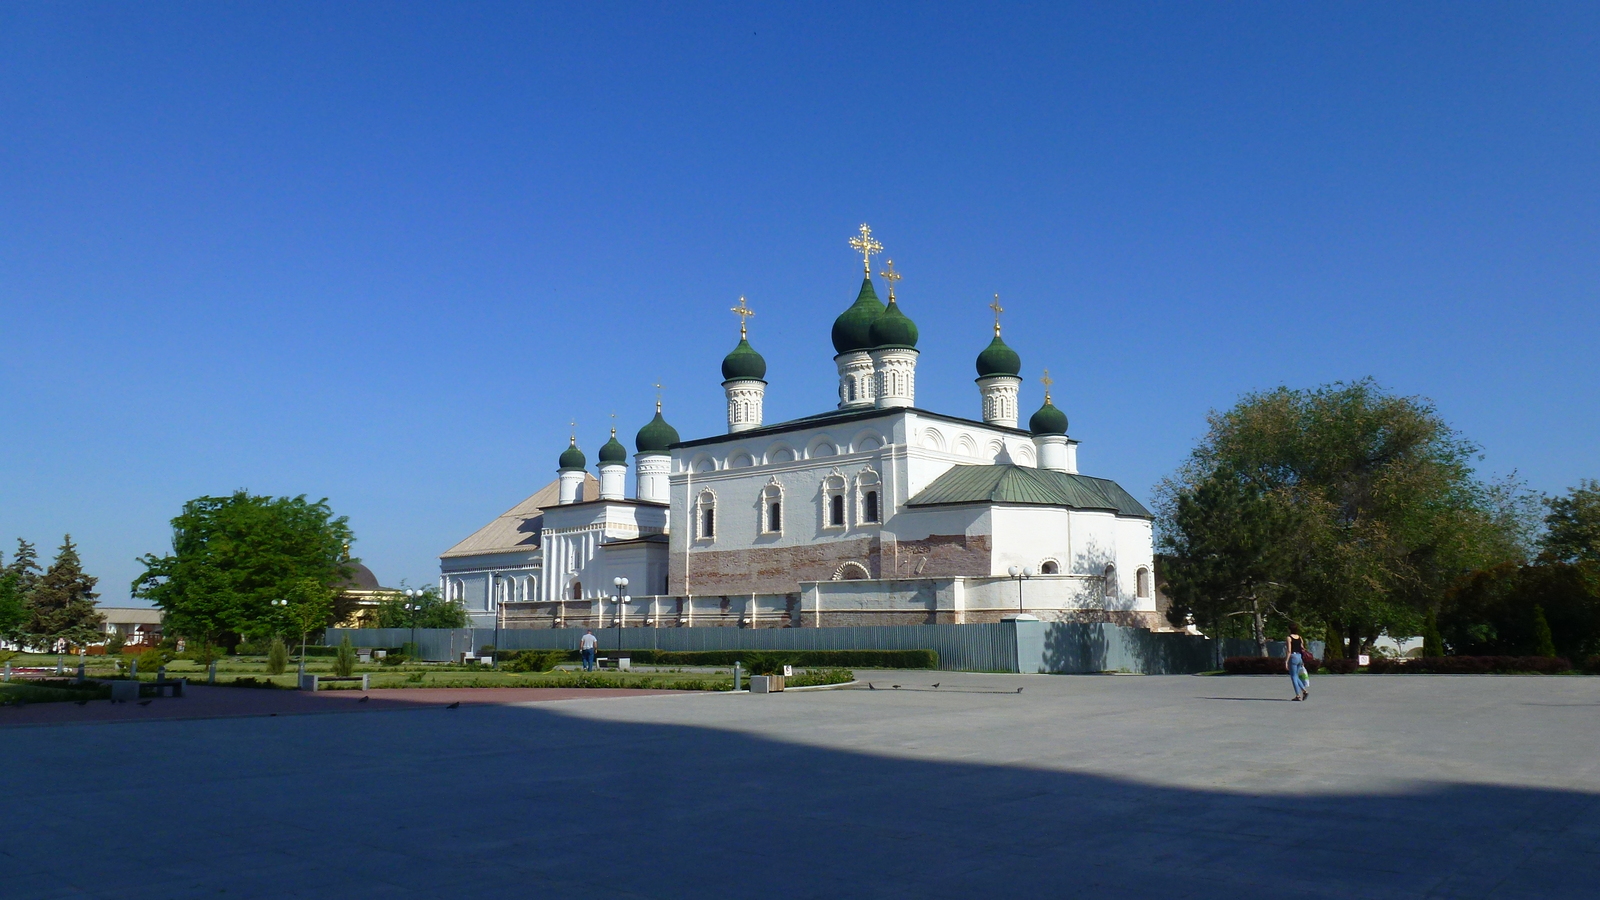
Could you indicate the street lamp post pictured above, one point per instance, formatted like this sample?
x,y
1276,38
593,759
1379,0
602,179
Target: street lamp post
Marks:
x,y
621,585
1019,575
413,606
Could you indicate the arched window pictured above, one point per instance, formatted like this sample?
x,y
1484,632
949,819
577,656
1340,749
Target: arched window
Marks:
x,y
867,496
706,516
1142,582
772,508
834,488
1049,567
577,590
850,389
1111,582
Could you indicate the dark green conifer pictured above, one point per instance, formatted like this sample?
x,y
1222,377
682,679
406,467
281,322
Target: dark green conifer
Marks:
x,y
1543,642
61,604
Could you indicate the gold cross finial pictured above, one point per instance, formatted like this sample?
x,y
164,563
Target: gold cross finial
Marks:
x,y
574,426
658,396
743,312
890,275
998,309
866,245
613,425
1047,382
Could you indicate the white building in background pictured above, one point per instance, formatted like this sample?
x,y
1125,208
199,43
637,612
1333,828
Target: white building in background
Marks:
x,y
873,512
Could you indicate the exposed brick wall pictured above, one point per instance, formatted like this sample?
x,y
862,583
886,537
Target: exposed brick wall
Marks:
x,y
940,555
769,570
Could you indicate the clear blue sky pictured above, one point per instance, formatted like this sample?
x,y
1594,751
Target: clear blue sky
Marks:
x,y
383,253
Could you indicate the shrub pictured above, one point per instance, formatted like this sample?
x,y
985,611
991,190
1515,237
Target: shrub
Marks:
x,y
820,676
1340,666
277,657
345,662
114,643
1265,665
394,659
759,662
486,650
1470,665
250,681
151,660
1590,666
532,660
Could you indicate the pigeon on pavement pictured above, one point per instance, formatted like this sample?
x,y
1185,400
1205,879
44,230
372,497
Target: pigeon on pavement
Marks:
x,y
363,699
936,685
454,705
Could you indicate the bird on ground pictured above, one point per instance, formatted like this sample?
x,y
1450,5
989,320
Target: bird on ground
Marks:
x,y
363,699
454,705
936,685
144,702
870,687
895,686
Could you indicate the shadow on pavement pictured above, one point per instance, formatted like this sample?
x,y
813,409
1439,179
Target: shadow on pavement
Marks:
x,y
547,802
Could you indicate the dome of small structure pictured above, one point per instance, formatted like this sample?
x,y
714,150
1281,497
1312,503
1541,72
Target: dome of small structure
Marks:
x,y
361,578
894,328
573,458
613,452
998,359
1048,420
852,331
656,436
743,363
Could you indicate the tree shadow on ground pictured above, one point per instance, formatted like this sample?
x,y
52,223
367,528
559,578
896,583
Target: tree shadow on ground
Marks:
x,y
535,801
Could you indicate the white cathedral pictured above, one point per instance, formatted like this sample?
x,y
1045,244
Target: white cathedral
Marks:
x,y
874,512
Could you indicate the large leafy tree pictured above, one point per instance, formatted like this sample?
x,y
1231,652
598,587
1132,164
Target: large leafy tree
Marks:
x,y
1224,553
1497,611
61,604
232,556
1383,508
427,610
1572,529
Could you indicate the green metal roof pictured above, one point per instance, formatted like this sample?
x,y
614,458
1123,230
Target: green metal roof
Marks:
x,y
1029,487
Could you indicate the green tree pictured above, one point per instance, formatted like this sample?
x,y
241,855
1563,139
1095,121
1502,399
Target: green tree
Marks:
x,y
1544,643
232,556
430,611
61,605
1432,640
17,580
344,662
1386,510
1572,529
1492,612
1224,553
277,657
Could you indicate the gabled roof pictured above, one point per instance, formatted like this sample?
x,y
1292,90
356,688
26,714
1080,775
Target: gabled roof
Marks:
x,y
1027,486
518,527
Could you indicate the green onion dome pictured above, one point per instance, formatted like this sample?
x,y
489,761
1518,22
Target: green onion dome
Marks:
x,y
894,328
1048,420
613,452
656,436
572,457
852,331
743,363
998,359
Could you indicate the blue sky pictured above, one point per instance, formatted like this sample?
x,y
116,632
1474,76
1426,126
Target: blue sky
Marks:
x,y
383,253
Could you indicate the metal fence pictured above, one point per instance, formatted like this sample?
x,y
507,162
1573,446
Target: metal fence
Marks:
x,y
999,647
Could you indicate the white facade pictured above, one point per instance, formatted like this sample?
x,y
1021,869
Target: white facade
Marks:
x,y
761,526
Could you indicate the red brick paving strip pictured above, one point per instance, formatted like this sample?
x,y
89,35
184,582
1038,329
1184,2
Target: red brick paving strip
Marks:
x,y
202,702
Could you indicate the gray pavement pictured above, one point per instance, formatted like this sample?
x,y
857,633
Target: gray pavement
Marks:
x,y
1095,787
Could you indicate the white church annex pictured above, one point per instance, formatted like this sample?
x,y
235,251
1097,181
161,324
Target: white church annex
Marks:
x,y
874,512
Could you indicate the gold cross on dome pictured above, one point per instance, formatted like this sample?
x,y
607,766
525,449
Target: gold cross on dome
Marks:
x,y
866,245
998,309
1047,382
658,396
613,424
890,275
574,426
743,312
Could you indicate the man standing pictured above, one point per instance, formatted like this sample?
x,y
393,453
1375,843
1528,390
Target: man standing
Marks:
x,y
587,644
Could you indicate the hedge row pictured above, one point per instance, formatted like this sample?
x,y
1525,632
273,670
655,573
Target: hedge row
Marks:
x,y
1442,665
1469,665
765,662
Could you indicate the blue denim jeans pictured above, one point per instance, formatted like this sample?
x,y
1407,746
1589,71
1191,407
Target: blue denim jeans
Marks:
x,y
1297,674
588,660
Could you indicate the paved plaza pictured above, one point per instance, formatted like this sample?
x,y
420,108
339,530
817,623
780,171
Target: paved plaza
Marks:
x,y
1091,786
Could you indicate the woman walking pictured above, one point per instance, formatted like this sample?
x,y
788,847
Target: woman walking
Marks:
x,y
1297,664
